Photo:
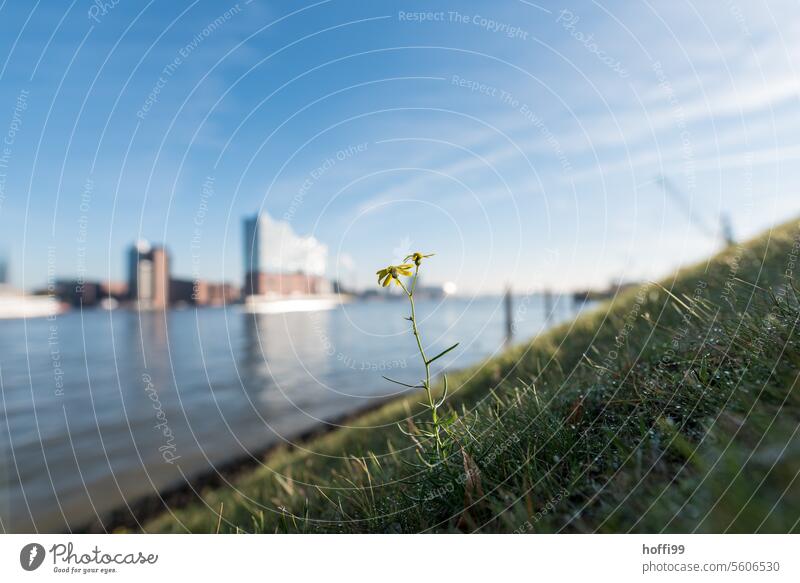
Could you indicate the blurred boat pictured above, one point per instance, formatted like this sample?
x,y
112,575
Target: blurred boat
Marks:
x,y
256,304
15,304
109,304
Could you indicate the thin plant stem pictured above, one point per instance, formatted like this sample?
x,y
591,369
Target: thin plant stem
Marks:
x,y
427,383
439,431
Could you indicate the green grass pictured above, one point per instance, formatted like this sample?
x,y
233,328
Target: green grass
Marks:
x,y
674,408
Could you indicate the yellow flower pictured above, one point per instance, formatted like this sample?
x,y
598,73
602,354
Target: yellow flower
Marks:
x,y
393,273
417,257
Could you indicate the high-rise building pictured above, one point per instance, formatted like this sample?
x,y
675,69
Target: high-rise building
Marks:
x,y
274,254
252,255
160,277
148,276
3,270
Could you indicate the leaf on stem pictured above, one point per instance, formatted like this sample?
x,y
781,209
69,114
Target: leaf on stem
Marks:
x,y
404,384
441,354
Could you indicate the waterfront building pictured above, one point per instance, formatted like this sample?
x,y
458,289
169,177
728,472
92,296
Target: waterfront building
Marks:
x,y
278,262
148,276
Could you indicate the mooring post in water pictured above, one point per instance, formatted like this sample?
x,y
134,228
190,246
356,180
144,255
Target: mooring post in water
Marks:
x,y
548,306
508,300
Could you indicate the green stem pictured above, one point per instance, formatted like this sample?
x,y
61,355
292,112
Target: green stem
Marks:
x,y
428,391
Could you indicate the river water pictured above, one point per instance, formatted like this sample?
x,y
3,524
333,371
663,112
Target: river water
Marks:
x,y
102,408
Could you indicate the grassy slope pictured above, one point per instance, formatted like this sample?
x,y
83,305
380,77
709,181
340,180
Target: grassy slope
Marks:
x,y
672,408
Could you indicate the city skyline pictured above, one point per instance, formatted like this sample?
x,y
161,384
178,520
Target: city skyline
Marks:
x,y
276,261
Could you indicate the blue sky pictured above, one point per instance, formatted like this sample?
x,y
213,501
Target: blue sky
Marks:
x,y
518,141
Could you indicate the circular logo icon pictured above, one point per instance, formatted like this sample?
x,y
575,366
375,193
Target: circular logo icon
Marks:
x,y
31,556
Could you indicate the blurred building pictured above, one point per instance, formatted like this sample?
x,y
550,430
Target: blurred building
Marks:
x,y
279,262
216,294
78,293
181,291
116,290
148,276
283,284
202,293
